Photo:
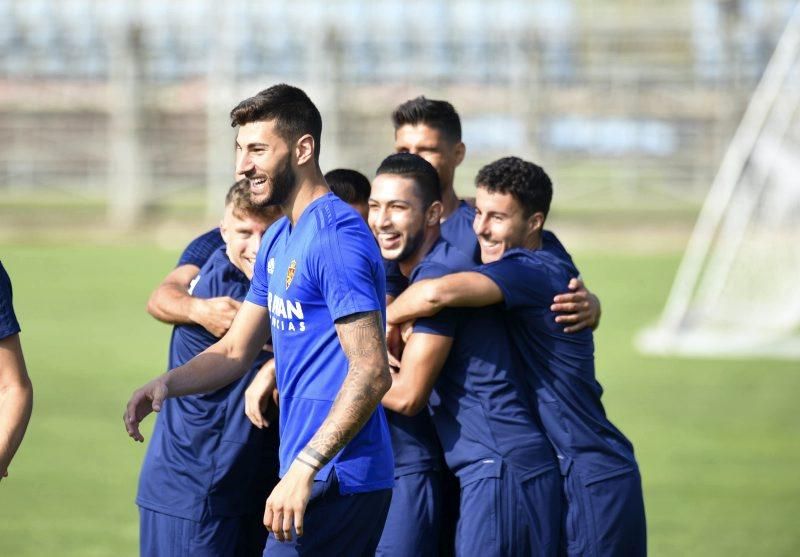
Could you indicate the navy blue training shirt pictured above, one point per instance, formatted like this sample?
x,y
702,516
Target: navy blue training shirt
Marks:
x,y
560,365
326,267
201,248
480,403
205,456
8,319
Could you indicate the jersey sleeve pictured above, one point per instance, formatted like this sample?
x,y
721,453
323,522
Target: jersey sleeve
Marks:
x,y
8,320
201,248
445,322
523,283
349,271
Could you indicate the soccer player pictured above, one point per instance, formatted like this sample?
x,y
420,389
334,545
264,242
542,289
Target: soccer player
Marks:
x,y
432,129
16,390
510,486
601,481
328,333
207,472
353,188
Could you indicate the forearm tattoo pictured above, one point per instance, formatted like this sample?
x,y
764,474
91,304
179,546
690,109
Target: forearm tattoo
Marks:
x,y
362,338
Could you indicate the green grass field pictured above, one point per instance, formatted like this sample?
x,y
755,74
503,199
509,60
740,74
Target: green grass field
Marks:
x,y
718,441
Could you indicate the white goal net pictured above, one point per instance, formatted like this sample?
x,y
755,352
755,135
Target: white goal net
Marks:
x,y
737,291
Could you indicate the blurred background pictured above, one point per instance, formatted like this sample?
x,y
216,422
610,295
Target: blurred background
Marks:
x,y
116,150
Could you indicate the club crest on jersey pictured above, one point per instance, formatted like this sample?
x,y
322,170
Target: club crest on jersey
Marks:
x,y
290,273
271,265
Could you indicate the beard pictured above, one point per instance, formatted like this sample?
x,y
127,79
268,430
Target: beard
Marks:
x,y
412,245
279,187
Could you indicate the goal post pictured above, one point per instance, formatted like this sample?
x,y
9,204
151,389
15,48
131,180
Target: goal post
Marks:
x,y
736,292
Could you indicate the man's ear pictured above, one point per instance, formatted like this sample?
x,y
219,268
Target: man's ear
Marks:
x,y
434,213
535,223
223,231
460,152
304,149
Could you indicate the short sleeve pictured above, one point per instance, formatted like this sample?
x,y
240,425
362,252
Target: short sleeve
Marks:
x,y
8,320
201,248
446,321
349,270
523,283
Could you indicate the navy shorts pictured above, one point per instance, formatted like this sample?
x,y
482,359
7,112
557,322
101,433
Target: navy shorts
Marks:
x,y
413,524
507,512
336,524
604,518
162,535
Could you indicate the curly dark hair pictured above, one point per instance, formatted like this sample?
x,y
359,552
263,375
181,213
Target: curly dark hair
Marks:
x,y
294,113
439,115
527,182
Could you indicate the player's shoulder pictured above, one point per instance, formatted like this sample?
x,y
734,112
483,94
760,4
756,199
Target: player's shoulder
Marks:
x,y
443,259
540,262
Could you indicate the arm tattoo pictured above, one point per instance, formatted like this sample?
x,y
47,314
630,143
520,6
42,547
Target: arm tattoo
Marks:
x,y
363,340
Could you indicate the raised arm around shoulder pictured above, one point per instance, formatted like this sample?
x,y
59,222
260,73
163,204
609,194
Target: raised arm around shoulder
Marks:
x,y
16,399
422,361
171,303
428,297
220,364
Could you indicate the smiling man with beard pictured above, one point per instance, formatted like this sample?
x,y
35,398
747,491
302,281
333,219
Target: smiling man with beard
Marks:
x,y
327,332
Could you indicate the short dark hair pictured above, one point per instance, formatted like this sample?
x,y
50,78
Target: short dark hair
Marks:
x,y
527,182
439,115
239,198
418,169
294,113
349,185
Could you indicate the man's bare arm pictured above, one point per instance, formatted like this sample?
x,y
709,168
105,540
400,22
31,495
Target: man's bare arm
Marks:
x,y
422,361
428,297
362,338
220,364
171,303
16,399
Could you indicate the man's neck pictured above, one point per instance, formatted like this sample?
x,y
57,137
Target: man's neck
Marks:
x,y
450,203
307,190
533,242
408,264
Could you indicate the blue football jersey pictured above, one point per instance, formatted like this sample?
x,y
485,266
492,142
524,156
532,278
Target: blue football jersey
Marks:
x,y
560,365
480,403
309,275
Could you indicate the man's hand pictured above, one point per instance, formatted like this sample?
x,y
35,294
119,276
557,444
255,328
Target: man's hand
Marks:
x,y
579,308
145,400
215,315
287,503
406,329
259,393
394,345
